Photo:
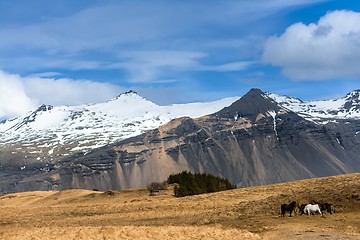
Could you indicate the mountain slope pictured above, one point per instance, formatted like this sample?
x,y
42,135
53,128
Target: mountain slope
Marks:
x,y
260,138
264,143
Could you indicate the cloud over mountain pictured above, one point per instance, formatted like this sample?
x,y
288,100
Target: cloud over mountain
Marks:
x,y
328,49
13,98
21,94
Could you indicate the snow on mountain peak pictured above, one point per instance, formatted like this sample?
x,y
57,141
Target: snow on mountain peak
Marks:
x,y
323,110
128,104
353,94
353,97
128,94
85,127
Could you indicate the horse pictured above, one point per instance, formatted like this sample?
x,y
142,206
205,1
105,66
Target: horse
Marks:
x,y
301,208
326,207
288,208
312,208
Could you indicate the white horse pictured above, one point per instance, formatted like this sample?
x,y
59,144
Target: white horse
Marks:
x,y
312,208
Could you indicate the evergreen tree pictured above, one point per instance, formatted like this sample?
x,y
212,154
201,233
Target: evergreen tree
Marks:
x,y
198,183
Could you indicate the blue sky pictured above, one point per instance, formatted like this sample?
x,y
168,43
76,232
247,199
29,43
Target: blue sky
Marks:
x,y
73,52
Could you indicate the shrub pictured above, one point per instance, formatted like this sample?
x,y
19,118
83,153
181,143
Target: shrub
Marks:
x,y
198,183
155,188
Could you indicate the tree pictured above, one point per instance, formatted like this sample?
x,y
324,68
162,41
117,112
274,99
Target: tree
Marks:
x,y
198,183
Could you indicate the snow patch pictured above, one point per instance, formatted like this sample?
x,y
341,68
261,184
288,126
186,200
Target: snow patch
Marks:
x,y
319,111
273,115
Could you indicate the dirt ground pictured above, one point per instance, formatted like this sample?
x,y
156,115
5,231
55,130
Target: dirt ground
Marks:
x,y
246,213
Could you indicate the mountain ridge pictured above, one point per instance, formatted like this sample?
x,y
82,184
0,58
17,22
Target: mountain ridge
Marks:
x,y
322,110
270,145
230,141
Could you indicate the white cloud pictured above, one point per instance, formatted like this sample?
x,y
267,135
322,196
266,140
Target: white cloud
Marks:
x,y
13,97
19,95
179,59
227,67
66,91
154,66
105,25
46,74
76,39
328,49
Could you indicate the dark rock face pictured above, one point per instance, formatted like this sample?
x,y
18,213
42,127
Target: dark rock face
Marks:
x,y
33,176
252,104
252,142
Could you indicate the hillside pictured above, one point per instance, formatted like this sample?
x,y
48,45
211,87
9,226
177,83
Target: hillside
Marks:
x,y
246,213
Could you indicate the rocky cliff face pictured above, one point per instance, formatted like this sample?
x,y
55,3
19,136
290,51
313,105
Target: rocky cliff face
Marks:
x,y
254,141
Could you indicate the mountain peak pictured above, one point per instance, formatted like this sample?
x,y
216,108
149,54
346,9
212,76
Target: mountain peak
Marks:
x,y
252,104
131,94
44,108
255,91
127,93
353,95
352,103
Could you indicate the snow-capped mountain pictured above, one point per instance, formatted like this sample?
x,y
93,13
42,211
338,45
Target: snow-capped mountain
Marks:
x,y
253,141
322,111
55,131
60,130
233,138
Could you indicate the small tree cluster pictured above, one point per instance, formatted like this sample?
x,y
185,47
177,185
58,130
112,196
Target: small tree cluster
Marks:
x,y
155,188
198,183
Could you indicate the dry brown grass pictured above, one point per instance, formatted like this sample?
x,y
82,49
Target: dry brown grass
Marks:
x,y
247,213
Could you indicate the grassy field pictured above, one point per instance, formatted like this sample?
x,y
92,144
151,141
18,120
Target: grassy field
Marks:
x,y
246,213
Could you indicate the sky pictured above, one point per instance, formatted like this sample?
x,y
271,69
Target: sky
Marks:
x,y
174,51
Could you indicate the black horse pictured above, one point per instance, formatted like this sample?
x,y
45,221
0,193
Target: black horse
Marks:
x,y
301,208
326,207
288,208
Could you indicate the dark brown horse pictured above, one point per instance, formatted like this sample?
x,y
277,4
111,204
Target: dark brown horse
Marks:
x,y
288,208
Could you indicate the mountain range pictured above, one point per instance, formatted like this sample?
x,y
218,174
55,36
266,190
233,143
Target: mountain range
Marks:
x,y
129,141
